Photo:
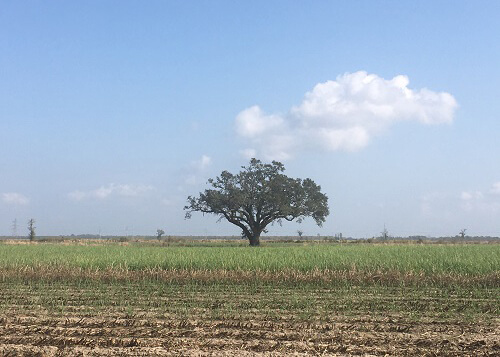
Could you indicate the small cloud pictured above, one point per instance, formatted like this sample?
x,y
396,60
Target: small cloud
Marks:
x,y
132,190
472,200
201,164
467,196
15,198
480,200
77,195
495,188
474,209
343,114
197,169
103,192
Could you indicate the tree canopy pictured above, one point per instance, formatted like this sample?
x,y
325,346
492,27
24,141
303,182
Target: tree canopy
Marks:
x,y
259,195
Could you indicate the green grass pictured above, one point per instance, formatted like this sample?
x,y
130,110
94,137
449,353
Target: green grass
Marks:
x,y
462,260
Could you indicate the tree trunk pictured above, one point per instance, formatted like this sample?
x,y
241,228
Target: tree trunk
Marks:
x,y
254,240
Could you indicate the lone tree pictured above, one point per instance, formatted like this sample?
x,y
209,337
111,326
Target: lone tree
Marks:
x,y
31,229
258,195
159,233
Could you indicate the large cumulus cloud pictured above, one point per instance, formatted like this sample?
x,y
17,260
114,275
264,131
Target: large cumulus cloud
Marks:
x,y
344,114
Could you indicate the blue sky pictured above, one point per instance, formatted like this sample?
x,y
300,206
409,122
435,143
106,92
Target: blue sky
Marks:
x,y
113,112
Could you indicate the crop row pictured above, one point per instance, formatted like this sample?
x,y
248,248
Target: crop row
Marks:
x,y
189,318
227,298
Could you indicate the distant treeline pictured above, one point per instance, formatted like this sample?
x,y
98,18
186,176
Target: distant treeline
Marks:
x,y
416,238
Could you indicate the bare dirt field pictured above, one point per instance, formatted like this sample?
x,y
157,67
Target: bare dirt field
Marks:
x,y
82,319
46,335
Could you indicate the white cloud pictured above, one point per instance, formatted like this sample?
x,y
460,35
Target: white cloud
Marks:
x,y
342,115
483,201
202,163
491,194
103,192
474,195
271,134
15,198
78,195
495,188
252,122
197,170
463,205
476,210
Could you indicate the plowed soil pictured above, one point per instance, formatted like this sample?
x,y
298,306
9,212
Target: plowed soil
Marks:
x,y
82,319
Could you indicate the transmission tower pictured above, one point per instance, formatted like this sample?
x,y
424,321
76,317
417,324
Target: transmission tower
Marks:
x,y
14,228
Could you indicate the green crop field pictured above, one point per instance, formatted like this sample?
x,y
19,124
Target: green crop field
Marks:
x,y
225,298
460,260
